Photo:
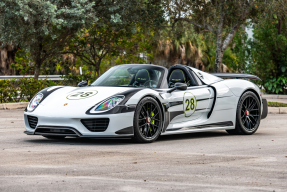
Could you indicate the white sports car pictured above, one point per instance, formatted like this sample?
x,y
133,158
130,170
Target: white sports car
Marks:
x,y
145,101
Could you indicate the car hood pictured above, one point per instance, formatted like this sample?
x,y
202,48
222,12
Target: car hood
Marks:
x,y
76,100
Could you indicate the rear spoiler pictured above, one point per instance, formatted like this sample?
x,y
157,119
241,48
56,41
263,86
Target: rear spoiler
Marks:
x,y
236,76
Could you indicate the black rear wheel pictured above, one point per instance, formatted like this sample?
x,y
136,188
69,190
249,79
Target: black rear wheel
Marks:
x,y
147,120
248,114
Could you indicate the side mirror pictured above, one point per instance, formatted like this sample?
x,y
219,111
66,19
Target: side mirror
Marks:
x,y
83,84
179,86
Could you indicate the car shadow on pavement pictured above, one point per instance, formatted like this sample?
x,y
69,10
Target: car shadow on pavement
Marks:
x,y
121,141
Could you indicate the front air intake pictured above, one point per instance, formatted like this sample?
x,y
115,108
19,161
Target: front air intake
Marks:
x,y
33,121
55,130
96,125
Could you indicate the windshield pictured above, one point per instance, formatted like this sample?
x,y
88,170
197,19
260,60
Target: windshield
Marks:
x,y
131,76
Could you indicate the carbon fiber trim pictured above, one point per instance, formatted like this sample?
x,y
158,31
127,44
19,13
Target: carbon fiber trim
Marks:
x,y
220,124
56,130
265,109
127,130
236,75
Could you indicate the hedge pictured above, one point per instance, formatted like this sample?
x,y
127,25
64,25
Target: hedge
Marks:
x,y
17,90
21,90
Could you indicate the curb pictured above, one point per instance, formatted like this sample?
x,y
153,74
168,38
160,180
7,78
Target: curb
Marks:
x,y
9,106
274,96
277,110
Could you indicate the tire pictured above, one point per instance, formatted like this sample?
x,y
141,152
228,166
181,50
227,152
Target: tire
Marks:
x,y
55,137
248,115
147,121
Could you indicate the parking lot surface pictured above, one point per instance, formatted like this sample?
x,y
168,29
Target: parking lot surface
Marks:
x,y
213,161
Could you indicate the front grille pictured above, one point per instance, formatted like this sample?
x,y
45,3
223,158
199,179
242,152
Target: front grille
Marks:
x,y
96,125
33,121
51,130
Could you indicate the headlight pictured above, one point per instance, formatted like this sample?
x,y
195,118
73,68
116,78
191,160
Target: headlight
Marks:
x,y
109,104
35,102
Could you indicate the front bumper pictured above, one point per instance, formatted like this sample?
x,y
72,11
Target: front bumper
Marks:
x,y
265,109
120,125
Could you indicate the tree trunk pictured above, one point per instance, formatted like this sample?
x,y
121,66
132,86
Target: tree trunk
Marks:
x,y
98,72
37,69
38,62
218,58
219,42
37,66
7,55
98,67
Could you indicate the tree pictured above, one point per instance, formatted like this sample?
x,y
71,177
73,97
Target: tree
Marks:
x,y
117,32
221,17
178,44
42,27
268,49
93,44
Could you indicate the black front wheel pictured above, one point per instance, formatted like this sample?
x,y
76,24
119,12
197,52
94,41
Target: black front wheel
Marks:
x,y
248,114
147,120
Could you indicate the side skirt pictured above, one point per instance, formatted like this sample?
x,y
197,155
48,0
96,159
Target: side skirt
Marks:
x,y
201,128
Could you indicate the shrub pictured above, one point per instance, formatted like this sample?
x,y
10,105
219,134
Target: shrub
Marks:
x,y
21,90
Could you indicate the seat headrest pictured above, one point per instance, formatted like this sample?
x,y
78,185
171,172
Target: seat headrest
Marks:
x,y
177,75
142,76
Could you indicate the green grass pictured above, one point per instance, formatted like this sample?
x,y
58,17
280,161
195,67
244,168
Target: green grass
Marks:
x,y
276,104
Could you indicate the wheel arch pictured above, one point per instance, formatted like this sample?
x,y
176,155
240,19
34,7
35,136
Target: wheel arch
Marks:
x,y
255,92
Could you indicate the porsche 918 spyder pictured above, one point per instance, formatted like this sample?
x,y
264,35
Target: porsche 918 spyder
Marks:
x,y
145,101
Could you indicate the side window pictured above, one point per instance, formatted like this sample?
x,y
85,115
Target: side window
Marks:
x,y
197,79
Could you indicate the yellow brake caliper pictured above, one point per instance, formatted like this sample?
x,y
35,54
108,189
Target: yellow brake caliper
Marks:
x,y
152,121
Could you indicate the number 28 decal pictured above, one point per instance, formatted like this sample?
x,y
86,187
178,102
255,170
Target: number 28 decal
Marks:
x,y
189,104
81,94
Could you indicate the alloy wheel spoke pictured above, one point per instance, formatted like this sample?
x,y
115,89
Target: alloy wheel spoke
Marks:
x,y
154,115
244,121
154,128
252,106
243,105
143,114
253,119
142,125
145,111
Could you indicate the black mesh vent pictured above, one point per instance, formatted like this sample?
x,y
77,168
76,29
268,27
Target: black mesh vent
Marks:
x,y
33,121
58,131
96,125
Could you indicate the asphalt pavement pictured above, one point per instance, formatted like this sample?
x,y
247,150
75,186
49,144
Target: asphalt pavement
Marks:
x,y
213,161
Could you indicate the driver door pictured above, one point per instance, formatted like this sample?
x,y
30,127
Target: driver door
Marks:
x,y
185,107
